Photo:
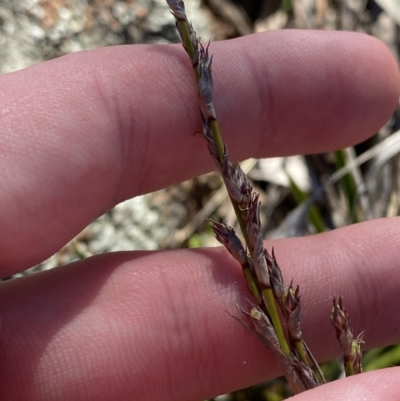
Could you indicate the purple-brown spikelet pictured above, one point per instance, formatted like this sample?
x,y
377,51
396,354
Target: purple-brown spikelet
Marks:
x,y
351,346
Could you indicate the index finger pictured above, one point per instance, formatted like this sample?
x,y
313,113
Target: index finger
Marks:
x,y
86,131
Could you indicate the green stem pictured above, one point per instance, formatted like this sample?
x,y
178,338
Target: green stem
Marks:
x,y
187,43
269,300
252,284
219,143
301,352
349,368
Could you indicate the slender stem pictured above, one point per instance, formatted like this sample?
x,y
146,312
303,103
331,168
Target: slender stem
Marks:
x,y
301,352
187,43
269,300
349,368
219,143
252,284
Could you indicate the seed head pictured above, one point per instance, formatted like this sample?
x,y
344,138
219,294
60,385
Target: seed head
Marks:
x,y
227,236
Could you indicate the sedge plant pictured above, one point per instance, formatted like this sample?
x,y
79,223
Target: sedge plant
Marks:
x,y
274,315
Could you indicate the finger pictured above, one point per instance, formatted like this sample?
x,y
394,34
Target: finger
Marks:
x,y
371,386
86,131
155,325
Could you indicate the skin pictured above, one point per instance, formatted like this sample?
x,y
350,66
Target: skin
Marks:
x,y
81,133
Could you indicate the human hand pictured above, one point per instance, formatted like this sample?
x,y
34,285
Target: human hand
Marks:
x,y
81,133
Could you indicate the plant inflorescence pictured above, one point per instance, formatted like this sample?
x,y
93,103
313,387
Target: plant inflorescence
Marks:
x,y
274,316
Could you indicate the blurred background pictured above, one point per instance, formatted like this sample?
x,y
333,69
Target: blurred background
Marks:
x,y
300,195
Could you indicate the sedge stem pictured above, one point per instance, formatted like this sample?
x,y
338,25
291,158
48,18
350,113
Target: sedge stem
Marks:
x,y
252,284
301,352
349,368
269,300
187,43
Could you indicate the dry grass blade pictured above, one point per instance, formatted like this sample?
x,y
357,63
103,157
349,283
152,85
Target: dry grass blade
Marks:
x,y
382,152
